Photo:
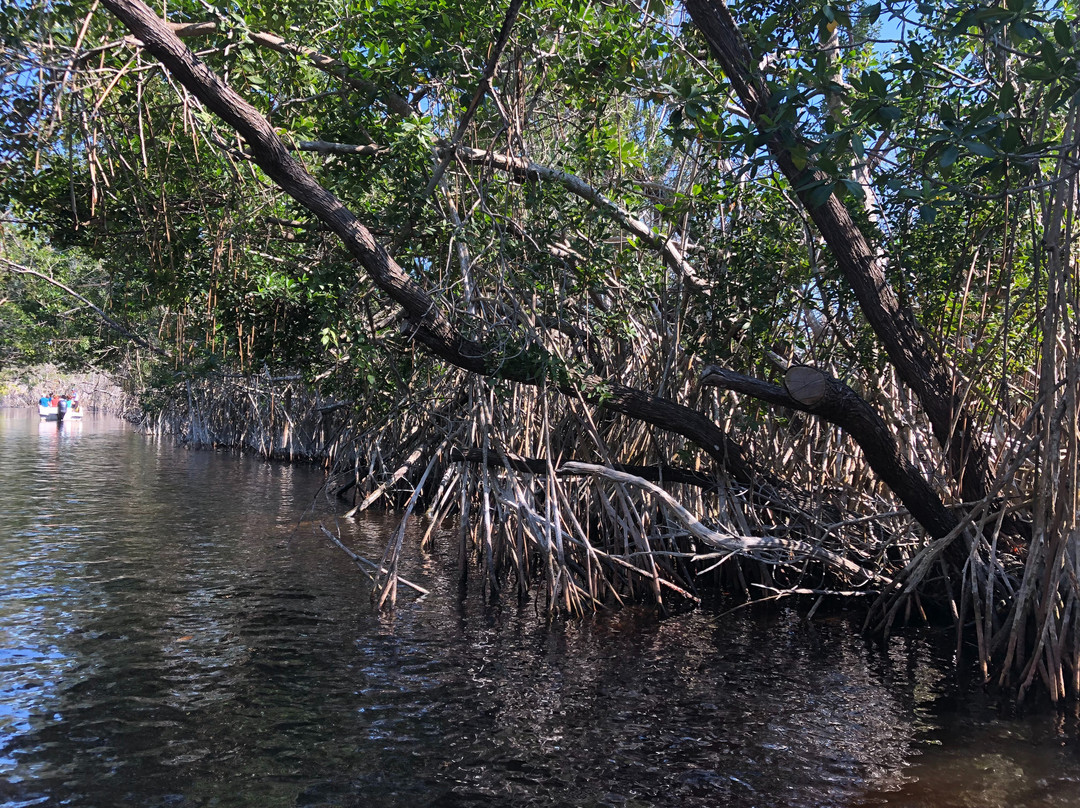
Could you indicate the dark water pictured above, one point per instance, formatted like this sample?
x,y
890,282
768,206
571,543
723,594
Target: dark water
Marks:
x,y
169,637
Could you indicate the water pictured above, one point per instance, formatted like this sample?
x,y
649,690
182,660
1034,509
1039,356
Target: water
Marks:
x,y
174,631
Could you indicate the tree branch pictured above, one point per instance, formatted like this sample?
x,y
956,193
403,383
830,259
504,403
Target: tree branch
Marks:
x,y
335,67
746,545
481,91
528,170
540,467
327,147
109,321
812,391
894,323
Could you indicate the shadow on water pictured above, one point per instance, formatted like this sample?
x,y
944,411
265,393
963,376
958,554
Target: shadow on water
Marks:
x,y
168,639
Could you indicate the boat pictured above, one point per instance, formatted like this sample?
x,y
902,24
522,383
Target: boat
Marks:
x,y
50,413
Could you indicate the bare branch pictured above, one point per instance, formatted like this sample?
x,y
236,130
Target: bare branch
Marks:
x,y
526,169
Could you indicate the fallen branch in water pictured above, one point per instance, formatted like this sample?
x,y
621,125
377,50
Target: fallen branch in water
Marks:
x,y
362,562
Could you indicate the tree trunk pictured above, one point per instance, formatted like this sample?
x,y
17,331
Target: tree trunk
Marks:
x,y
894,324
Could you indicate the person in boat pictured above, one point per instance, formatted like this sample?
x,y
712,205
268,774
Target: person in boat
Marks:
x,y
45,400
54,400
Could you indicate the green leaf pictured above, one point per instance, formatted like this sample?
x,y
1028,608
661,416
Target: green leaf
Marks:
x,y
949,156
858,146
768,26
1033,71
819,195
798,156
1062,33
1012,139
877,83
1050,56
1006,97
1023,31
855,188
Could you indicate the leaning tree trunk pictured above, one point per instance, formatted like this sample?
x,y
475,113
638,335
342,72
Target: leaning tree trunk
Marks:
x,y
426,320
812,391
894,323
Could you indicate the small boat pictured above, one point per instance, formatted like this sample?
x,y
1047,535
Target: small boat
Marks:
x,y
50,413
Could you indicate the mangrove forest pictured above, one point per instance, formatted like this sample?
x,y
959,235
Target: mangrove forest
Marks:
x,y
649,302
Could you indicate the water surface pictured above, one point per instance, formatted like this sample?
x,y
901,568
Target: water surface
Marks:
x,y
175,631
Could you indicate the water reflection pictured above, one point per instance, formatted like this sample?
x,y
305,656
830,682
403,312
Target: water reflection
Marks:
x,y
168,638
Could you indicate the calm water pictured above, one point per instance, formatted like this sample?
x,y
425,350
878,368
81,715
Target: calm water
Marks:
x,y
175,632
